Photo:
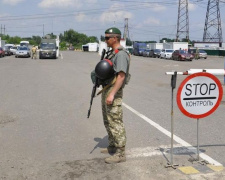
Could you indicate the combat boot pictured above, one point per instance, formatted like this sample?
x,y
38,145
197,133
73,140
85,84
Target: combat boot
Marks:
x,y
108,150
118,157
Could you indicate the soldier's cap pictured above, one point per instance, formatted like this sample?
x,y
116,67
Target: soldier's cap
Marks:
x,y
113,30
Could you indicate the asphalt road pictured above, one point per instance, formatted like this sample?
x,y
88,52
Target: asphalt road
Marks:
x,y
45,133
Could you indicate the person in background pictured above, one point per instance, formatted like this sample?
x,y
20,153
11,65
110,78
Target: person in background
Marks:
x,y
197,54
34,52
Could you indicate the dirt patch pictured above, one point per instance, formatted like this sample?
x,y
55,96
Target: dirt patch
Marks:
x,y
5,119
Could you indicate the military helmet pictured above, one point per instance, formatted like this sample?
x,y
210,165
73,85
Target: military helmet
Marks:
x,y
104,69
113,30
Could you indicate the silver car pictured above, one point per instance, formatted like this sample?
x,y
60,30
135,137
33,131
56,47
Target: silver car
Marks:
x,y
13,49
146,53
22,51
202,54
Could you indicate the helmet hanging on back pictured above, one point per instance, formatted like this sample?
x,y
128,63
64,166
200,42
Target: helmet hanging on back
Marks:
x,y
104,69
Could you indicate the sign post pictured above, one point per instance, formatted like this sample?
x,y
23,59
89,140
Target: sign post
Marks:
x,y
198,96
173,86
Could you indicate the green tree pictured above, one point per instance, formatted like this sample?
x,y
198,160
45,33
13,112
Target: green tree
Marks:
x,y
62,45
14,40
77,39
93,39
167,40
36,40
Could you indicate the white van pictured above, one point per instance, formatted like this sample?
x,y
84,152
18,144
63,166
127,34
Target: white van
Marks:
x,y
24,43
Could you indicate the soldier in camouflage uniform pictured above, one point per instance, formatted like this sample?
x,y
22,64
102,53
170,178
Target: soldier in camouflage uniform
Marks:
x,y
112,99
34,52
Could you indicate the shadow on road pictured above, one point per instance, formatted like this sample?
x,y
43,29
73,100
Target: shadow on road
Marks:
x,y
101,143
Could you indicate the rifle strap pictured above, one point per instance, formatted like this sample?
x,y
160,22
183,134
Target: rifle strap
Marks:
x,y
107,86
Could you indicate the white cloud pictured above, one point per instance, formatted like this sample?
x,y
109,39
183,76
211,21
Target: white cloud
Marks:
x,y
91,1
115,14
151,21
12,2
159,8
80,17
191,7
59,3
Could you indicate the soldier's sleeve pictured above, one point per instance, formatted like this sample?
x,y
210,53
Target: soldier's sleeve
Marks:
x,y
121,62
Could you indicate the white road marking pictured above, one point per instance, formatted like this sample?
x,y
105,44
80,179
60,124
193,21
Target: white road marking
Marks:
x,y
154,151
176,138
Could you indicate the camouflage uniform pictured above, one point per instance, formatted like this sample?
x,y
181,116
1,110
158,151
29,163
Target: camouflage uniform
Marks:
x,y
113,119
34,52
113,114
197,54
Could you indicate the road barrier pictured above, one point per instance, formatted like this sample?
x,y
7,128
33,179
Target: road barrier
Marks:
x,y
198,96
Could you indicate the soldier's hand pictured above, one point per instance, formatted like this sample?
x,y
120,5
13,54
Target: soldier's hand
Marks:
x,y
109,99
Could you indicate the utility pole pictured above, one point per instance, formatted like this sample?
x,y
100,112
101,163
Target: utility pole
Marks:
x,y
213,30
183,21
126,30
2,28
43,30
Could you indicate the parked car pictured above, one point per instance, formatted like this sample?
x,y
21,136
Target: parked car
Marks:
x,y
182,55
22,51
155,53
166,53
146,52
13,49
2,52
202,53
7,51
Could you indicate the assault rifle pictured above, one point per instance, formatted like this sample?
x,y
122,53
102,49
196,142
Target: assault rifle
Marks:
x,y
95,86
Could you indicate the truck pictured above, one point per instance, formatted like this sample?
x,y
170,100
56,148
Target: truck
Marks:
x,y
155,45
24,43
91,47
175,45
49,48
138,48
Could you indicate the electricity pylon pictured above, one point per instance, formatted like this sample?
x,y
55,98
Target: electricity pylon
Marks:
x,y
126,30
183,21
213,30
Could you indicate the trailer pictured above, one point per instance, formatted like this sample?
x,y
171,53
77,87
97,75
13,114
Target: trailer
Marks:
x,y
91,47
155,45
175,45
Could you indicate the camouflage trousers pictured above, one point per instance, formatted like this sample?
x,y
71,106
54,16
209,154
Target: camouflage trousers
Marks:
x,y
113,119
34,55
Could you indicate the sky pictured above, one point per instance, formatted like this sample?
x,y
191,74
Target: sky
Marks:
x,y
148,20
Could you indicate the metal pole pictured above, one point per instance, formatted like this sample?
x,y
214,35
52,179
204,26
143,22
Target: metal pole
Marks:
x,y
43,30
172,122
224,74
173,86
197,139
